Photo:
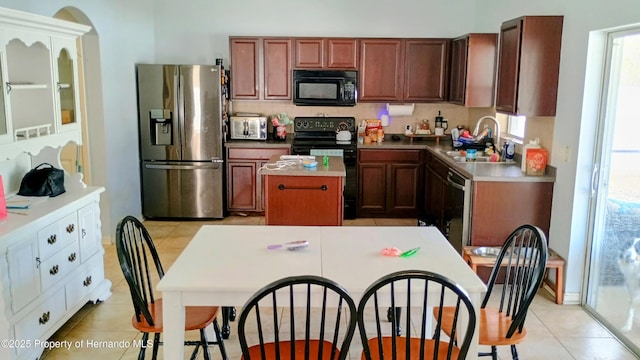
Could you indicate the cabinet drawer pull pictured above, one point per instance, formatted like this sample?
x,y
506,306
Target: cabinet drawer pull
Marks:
x,y
72,257
87,281
70,228
322,187
52,239
44,318
84,233
54,270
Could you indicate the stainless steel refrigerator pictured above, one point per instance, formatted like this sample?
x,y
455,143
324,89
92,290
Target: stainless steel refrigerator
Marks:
x,y
180,117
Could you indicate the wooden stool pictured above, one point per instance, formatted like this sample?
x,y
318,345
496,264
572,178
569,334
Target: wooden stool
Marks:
x,y
554,261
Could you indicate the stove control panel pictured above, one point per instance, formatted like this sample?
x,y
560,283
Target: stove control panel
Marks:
x,y
323,124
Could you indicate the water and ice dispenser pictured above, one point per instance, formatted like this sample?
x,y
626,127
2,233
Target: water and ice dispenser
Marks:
x,y
161,126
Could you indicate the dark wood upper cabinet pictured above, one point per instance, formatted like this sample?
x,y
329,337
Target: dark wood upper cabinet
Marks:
x,y
330,53
341,53
528,66
473,66
260,68
245,54
425,69
381,69
277,69
309,53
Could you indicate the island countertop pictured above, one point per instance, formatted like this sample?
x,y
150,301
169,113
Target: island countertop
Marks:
x,y
295,167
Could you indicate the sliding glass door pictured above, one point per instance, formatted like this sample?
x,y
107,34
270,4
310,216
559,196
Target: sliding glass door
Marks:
x,y
613,291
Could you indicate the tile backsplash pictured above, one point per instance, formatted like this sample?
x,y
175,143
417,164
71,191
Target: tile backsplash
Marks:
x,y
457,115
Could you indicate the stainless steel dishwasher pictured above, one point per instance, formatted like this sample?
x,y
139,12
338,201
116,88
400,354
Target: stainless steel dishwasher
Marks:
x,y
459,209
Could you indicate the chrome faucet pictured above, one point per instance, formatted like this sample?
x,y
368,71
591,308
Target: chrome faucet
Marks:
x,y
496,133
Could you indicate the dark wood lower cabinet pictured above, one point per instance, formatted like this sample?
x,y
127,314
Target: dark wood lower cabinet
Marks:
x,y
389,183
245,189
500,207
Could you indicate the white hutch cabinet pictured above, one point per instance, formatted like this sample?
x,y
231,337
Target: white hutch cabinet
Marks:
x,y
51,254
40,103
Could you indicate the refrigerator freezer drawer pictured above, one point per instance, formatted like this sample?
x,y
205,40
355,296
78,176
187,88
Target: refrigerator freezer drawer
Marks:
x,y
182,190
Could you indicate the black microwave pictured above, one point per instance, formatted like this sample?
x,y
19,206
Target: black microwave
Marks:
x,y
325,87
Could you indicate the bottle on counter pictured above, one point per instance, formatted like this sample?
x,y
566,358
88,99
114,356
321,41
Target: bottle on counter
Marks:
x,y
508,151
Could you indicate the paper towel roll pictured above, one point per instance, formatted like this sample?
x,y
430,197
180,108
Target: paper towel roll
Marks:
x,y
400,109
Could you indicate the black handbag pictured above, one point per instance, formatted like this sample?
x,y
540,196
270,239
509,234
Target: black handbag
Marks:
x,y
43,180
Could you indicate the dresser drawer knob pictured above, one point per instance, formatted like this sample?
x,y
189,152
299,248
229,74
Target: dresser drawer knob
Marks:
x,y
70,228
54,270
87,281
44,318
52,239
72,257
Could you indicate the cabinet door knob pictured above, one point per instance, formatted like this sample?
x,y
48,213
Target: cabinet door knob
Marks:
x,y
52,239
84,233
70,228
54,270
44,318
87,281
72,257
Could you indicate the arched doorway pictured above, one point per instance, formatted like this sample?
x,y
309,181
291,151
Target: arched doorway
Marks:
x,y
86,158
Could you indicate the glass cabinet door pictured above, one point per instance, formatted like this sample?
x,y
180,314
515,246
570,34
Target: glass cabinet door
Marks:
x,y
28,86
65,82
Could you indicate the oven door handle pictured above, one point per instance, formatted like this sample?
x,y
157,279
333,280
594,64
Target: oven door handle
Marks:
x,y
453,183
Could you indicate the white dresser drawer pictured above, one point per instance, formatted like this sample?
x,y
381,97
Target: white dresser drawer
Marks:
x,y
40,319
58,235
57,267
83,282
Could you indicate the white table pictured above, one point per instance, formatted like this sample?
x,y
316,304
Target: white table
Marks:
x,y
224,265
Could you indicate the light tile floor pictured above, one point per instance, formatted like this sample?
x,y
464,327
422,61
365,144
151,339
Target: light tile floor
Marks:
x,y
554,331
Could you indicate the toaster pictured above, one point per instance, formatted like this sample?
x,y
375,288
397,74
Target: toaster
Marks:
x,y
248,127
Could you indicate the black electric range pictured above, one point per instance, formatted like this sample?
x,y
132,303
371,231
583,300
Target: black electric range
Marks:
x,y
317,136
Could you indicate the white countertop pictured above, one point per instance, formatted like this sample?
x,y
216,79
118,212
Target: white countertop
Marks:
x,y
295,168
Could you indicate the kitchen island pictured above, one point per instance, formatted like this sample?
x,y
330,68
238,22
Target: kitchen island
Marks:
x,y
300,195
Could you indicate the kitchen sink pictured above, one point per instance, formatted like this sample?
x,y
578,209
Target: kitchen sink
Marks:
x,y
457,157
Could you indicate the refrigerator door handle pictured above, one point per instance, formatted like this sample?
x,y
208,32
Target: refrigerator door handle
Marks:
x,y
213,165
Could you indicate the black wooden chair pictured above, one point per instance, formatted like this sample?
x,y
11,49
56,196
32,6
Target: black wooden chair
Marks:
x,y
299,317
138,256
416,291
514,280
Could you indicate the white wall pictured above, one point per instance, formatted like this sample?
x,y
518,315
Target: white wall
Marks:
x,y
197,31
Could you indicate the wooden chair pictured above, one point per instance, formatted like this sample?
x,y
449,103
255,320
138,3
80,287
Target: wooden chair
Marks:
x,y
519,269
136,254
299,317
416,291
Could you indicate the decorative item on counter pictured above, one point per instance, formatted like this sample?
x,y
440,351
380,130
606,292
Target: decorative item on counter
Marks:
x,y
408,130
533,144
280,122
422,128
536,161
